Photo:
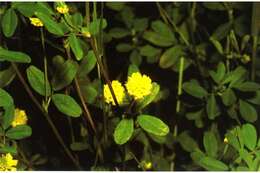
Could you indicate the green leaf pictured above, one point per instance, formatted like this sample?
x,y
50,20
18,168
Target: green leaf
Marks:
x,y
255,99
89,93
7,76
8,149
135,57
195,89
14,56
37,81
77,19
222,31
148,99
194,115
153,125
212,107
27,9
19,132
87,64
124,47
219,75
132,68
187,142
95,25
75,46
210,144
67,105
51,25
64,75
247,111
235,77
214,6
124,131
217,45
247,86
119,32
9,22
233,140
212,164
163,30
228,97
140,24
157,39
149,51
117,6
79,146
171,56
249,136
5,98
8,116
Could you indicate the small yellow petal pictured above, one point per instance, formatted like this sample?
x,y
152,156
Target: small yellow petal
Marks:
x,y
36,22
118,90
20,117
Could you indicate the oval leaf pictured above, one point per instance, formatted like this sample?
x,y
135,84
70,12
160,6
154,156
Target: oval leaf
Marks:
x,y
19,132
153,125
76,46
52,26
14,56
249,136
66,105
247,111
194,89
210,144
37,81
212,107
64,75
212,164
171,56
124,131
9,22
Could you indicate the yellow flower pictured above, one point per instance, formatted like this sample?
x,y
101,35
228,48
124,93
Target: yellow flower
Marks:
x,y
20,117
7,163
36,21
62,9
118,90
148,165
225,140
139,85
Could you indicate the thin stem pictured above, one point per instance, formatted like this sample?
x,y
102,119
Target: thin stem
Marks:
x,y
178,106
45,68
165,16
86,110
46,115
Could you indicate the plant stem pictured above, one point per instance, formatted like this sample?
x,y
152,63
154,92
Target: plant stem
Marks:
x,y
46,115
86,110
181,67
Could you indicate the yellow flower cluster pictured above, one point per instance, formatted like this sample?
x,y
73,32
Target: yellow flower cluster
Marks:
x,y
20,117
118,90
148,165
36,21
62,9
139,85
7,163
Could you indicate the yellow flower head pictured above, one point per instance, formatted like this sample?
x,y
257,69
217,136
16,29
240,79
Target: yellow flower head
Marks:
x,y
118,90
62,9
225,140
7,163
139,85
148,165
36,21
20,117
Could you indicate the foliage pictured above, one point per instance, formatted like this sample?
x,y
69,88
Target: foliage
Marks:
x,y
135,90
